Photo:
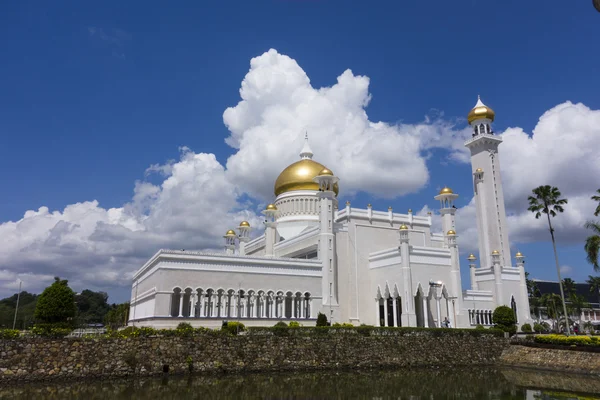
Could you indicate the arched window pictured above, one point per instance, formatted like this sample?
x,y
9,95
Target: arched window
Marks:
x,y
481,129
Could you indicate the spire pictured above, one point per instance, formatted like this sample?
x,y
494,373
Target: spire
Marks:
x,y
479,102
306,153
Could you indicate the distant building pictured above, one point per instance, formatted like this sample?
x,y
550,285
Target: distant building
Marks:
x,y
589,314
355,265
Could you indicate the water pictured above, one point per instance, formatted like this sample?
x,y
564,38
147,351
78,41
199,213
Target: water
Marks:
x,y
400,384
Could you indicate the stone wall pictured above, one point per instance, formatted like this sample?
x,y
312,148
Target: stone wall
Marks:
x,y
40,359
552,359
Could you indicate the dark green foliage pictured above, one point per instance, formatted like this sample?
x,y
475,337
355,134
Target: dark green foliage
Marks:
x,y
504,318
91,307
281,324
8,305
233,328
9,334
480,327
526,328
185,326
322,320
56,304
117,315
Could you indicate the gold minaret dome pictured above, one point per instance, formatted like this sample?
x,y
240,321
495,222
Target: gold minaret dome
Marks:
x,y
300,175
451,232
519,254
446,190
245,224
403,227
271,207
230,232
472,257
480,111
479,170
495,252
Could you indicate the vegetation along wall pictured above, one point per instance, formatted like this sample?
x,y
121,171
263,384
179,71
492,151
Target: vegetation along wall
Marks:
x,y
256,350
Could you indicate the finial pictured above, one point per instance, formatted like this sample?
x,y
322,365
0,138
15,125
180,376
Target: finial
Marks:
x,y
347,202
306,153
369,205
410,210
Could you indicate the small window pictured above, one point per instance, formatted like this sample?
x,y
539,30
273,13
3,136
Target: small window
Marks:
x,y
330,265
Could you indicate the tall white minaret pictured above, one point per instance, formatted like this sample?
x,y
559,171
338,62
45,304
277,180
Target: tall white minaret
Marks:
x,y
327,245
487,184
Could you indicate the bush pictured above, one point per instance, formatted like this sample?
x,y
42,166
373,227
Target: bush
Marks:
x,y
56,304
281,324
568,340
294,324
538,328
322,320
9,333
342,325
526,328
185,326
480,327
504,318
233,328
50,330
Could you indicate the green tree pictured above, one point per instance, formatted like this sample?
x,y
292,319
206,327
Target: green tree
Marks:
x,y
546,200
578,303
553,303
91,306
594,282
504,318
117,315
322,320
597,198
592,244
56,304
569,285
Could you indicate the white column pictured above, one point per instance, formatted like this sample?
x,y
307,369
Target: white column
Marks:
x,y
294,307
310,312
439,314
192,305
263,311
201,301
377,311
233,305
425,313
302,307
255,307
181,304
395,311
280,306
385,311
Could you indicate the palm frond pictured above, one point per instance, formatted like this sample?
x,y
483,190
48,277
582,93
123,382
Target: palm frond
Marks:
x,y
593,225
592,250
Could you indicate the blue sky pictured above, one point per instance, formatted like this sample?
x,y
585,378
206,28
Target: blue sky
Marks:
x,y
92,94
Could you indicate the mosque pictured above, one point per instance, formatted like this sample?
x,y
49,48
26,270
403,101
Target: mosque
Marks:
x,y
358,266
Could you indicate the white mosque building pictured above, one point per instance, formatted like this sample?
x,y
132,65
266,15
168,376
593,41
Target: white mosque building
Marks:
x,y
359,266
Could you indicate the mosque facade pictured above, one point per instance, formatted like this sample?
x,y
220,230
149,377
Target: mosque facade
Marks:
x,y
355,265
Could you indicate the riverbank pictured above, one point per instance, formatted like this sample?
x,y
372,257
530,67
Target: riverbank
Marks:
x,y
35,359
573,360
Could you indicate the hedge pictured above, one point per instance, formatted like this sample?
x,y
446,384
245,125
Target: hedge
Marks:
x,y
278,330
562,340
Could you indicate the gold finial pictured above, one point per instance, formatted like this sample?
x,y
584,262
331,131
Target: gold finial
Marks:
x,y
271,207
347,202
472,257
390,208
403,227
410,210
480,111
326,171
495,252
369,205
244,224
451,232
479,170
230,233
446,190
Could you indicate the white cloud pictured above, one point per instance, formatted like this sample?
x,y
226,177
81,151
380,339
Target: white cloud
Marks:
x,y
199,199
565,270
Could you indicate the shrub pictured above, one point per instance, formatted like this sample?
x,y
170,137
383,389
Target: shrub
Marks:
x,y
526,328
322,320
342,325
233,328
480,327
184,326
504,318
50,330
538,328
294,324
281,324
56,304
9,333
568,340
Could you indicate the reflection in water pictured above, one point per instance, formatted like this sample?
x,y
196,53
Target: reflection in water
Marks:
x,y
481,383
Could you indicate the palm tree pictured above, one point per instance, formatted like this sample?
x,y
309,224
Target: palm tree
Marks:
x,y
597,198
577,304
546,200
594,282
552,302
592,244
569,285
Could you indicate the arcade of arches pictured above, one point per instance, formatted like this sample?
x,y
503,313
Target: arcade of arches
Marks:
x,y
220,303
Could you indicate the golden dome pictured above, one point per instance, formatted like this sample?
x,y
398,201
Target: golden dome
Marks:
x,y
271,207
403,227
479,170
495,252
446,190
451,232
245,224
230,232
347,202
299,176
519,254
480,111
326,171
472,257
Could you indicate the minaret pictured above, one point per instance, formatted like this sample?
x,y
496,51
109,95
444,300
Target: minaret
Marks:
x,y
244,230
487,184
472,267
230,242
447,209
327,245
408,316
524,311
270,226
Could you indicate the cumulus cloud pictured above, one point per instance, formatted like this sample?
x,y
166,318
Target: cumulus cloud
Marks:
x,y
278,104
197,199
